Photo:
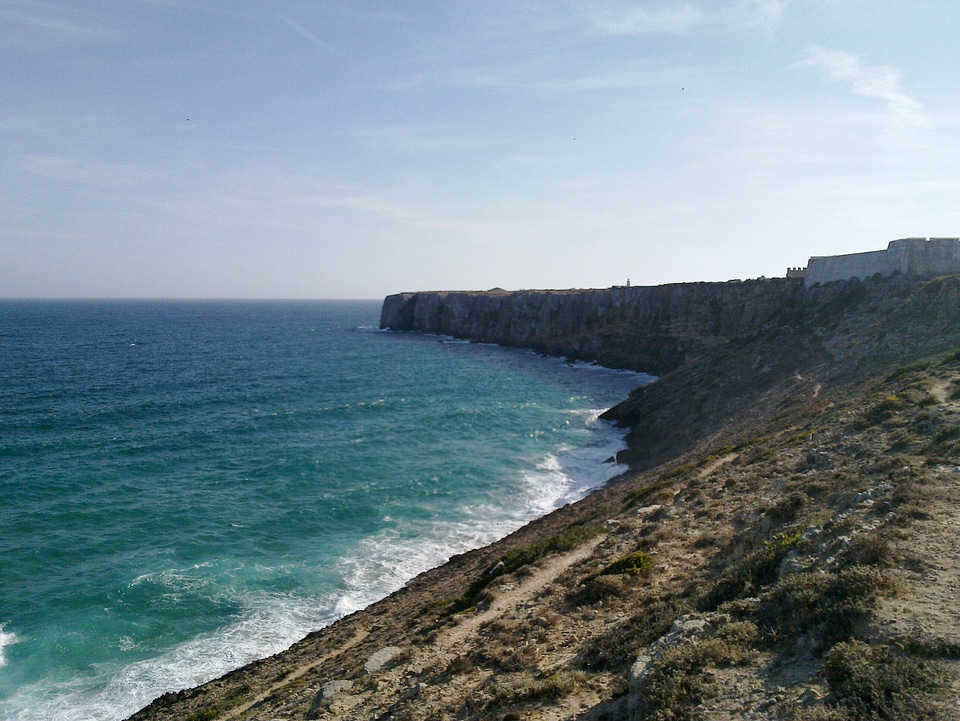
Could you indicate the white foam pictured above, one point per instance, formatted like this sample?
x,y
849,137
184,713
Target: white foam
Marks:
x,y
569,474
388,560
640,377
271,624
385,562
6,639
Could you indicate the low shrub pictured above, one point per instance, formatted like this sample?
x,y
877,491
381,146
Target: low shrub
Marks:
x,y
826,606
908,370
616,648
521,689
788,508
597,588
633,563
655,492
207,714
677,683
881,412
750,573
873,682
868,549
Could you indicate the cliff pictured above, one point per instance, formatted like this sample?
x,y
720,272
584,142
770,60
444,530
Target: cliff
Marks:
x,y
784,549
652,329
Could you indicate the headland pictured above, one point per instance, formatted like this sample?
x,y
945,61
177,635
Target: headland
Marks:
x,y
784,547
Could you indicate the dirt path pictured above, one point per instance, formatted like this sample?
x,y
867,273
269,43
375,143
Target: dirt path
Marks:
x,y
714,465
510,600
928,608
293,676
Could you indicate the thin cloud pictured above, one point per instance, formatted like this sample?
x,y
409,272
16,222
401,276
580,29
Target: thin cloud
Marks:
x,y
645,22
881,82
73,170
675,19
50,19
417,139
303,32
768,13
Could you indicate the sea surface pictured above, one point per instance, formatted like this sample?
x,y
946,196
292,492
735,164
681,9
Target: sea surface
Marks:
x,y
186,486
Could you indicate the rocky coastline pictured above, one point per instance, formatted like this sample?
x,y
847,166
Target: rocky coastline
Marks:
x,y
785,546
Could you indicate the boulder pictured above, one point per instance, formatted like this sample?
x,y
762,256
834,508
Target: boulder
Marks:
x,y
381,658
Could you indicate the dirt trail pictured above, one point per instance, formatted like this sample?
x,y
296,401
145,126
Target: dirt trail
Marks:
x,y
507,602
928,607
711,467
293,676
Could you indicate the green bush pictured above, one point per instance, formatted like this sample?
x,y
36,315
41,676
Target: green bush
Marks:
x,y
617,647
207,714
633,563
750,573
656,491
882,412
908,370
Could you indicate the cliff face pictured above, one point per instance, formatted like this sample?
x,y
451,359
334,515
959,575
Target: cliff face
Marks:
x,y
652,329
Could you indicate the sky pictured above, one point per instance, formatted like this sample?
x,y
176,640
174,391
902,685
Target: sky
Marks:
x,y
308,149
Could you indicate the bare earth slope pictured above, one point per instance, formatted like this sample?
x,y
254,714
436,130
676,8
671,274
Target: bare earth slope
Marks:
x,y
787,547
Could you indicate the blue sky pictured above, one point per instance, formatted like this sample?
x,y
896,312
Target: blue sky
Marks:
x,y
172,148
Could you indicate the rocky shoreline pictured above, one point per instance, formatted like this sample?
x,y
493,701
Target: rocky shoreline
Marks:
x,y
785,547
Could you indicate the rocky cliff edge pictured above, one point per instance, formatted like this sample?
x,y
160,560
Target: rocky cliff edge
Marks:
x,y
650,328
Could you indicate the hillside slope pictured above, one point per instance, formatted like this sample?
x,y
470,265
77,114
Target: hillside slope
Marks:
x,y
786,548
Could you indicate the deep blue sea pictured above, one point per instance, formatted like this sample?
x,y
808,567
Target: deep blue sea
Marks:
x,y
186,486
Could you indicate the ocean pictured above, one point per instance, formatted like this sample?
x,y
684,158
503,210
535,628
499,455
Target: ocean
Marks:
x,y
187,486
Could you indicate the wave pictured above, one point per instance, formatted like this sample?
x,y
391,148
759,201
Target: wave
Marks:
x,y
571,472
271,625
385,562
6,639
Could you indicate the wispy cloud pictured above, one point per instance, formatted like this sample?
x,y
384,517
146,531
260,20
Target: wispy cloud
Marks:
x,y
767,13
678,17
644,22
303,32
50,19
75,170
420,139
881,82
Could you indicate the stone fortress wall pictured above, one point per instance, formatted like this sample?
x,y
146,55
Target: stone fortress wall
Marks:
x,y
910,256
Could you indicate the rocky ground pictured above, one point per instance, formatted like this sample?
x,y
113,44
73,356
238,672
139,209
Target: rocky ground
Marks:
x,y
788,547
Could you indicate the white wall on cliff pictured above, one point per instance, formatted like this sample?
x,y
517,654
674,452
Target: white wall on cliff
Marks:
x,y
911,256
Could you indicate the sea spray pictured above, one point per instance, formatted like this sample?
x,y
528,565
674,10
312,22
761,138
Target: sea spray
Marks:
x,y
6,639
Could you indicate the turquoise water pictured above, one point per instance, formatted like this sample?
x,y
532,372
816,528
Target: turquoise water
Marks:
x,y
187,486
